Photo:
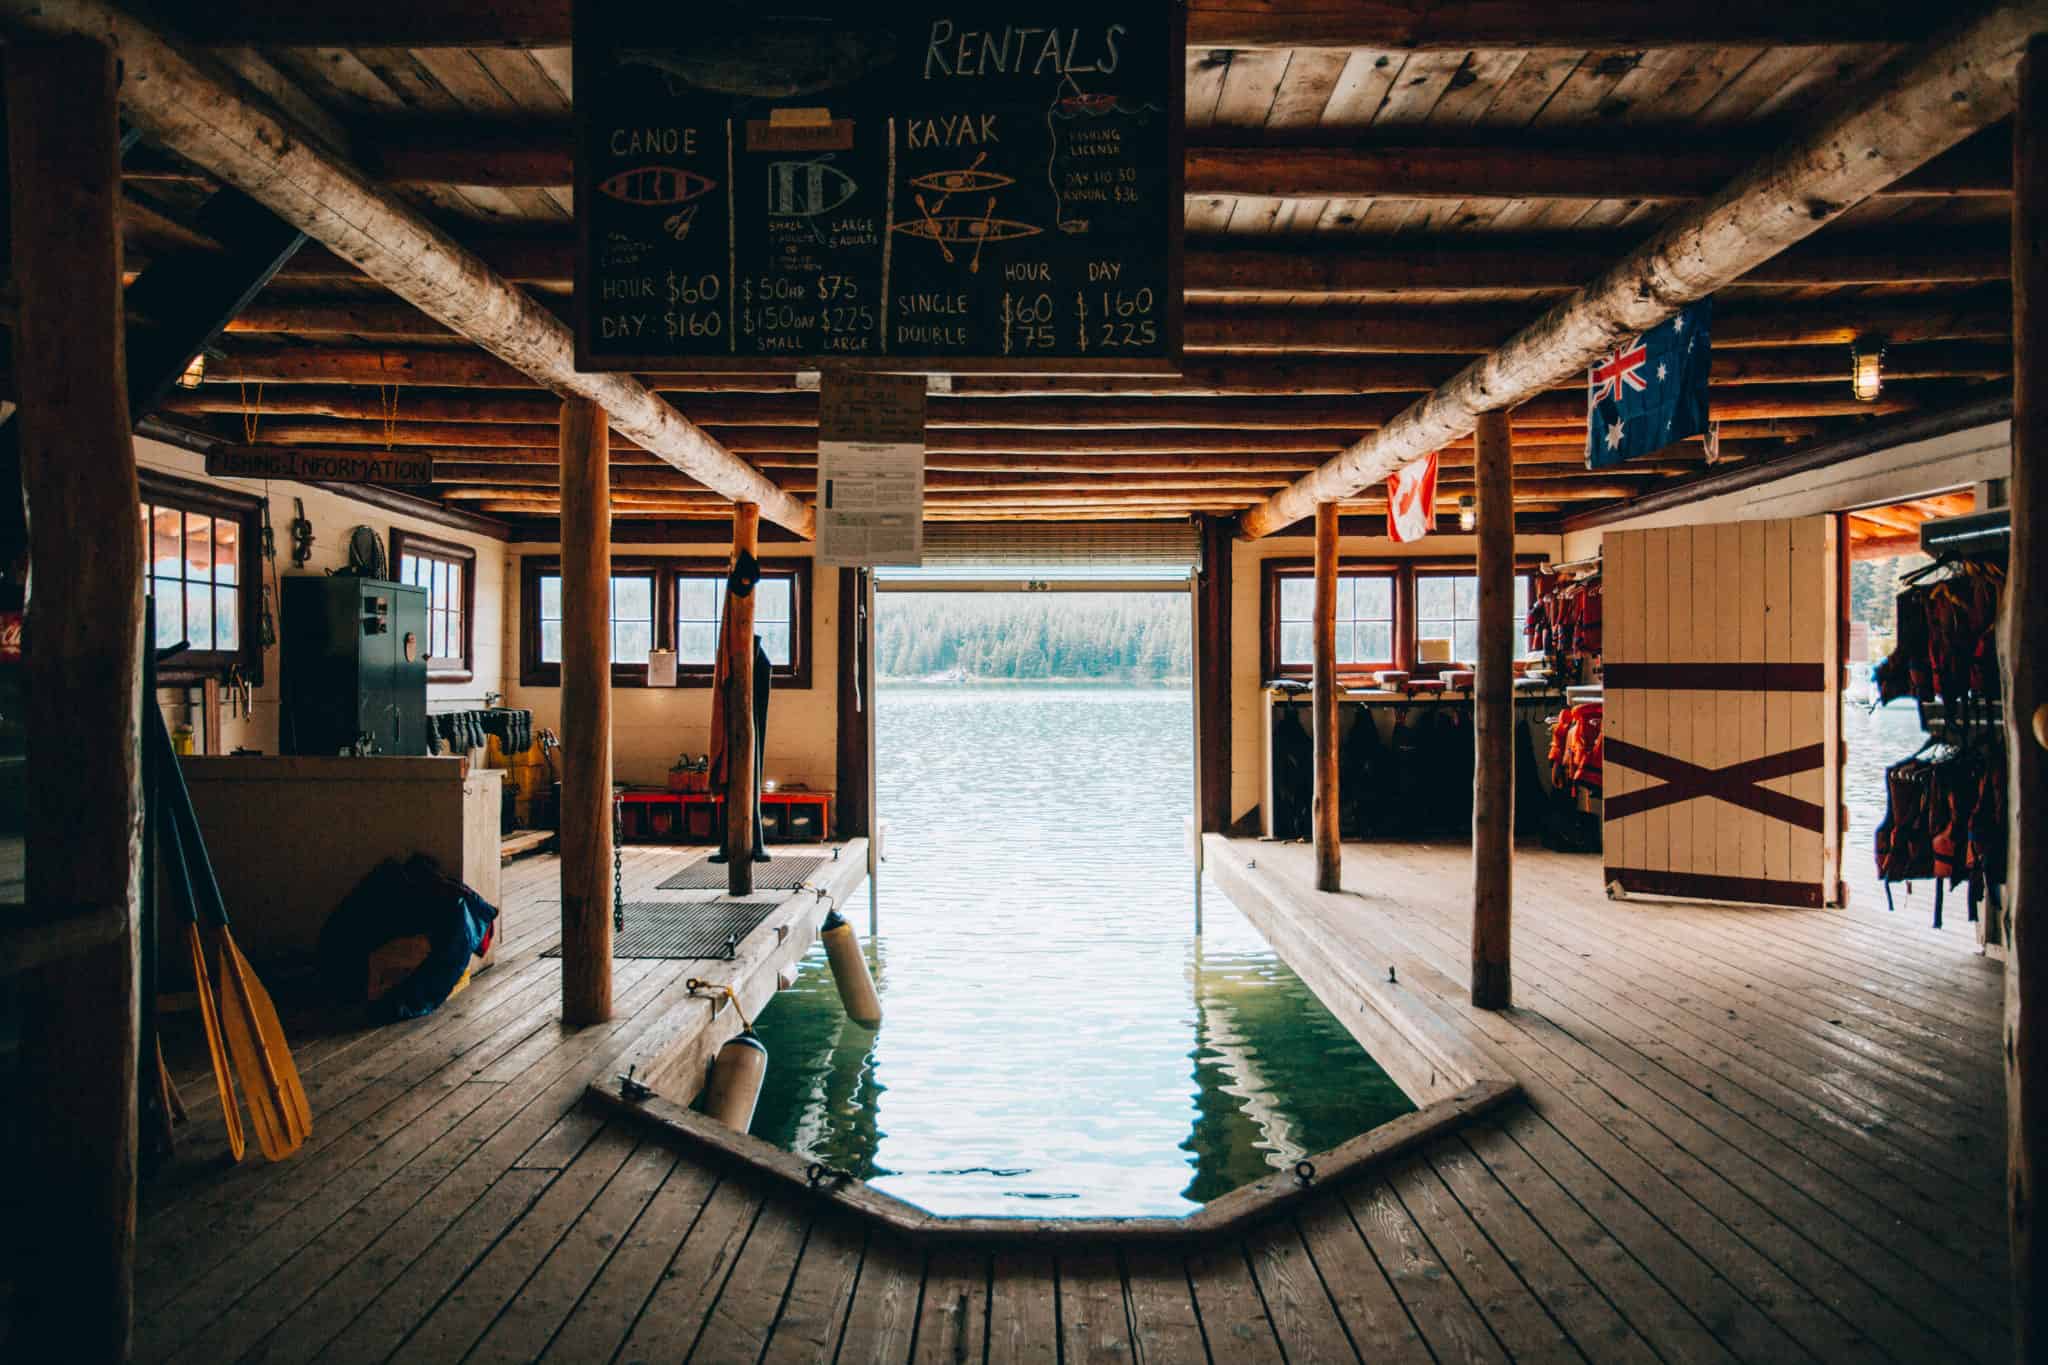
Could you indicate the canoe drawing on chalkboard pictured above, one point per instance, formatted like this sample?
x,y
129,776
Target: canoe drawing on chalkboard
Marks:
x,y
962,230
1073,102
656,186
804,189
769,56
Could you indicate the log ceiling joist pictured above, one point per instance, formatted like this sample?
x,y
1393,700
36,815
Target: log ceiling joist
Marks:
x,y
524,157
443,367
1743,402
460,465
205,119
1931,101
1388,24
1529,263
1388,329
804,440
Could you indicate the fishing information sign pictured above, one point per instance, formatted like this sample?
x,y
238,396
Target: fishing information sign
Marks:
x,y
837,183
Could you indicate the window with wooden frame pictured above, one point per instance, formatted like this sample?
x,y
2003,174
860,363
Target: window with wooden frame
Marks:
x,y
674,604
1383,608
202,563
1447,608
700,612
1365,620
448,573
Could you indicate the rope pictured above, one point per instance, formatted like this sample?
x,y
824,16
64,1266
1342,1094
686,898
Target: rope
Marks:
x,y
717,988
251,416
387,398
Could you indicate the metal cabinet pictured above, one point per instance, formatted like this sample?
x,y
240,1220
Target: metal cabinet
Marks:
x,y
354,654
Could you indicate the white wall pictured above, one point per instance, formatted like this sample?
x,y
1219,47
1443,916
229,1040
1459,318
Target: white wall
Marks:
x,y
1247,688
651,726
333,517
1897,474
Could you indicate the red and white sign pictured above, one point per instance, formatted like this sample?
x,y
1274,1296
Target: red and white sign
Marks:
x,y
1411,499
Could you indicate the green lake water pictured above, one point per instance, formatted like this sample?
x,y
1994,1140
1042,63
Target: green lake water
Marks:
x,y
1057,1041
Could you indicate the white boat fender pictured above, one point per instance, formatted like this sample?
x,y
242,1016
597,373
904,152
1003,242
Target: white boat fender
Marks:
x,y
735,1085
850,971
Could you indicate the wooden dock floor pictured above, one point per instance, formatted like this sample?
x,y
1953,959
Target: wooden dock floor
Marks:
x,y
1757,1135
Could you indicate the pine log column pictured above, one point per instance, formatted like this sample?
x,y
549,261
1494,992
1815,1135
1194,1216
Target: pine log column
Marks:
x,y
75,1241
2025,657
856,695
1323,704
743,782
586,812
1493,718
1212,670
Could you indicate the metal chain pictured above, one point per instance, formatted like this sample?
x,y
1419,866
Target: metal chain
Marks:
x,y
618,864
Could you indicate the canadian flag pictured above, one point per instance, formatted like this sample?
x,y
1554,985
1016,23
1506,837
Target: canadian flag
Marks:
x,y
1411,499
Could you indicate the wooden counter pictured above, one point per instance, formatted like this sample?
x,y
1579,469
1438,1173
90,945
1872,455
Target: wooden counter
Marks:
x,y
290,837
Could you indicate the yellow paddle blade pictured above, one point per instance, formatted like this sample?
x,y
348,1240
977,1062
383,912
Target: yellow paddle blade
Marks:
x,y
276,1050
266,1085
209,1017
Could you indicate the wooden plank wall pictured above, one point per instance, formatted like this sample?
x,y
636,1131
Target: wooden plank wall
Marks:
x,y
1711,596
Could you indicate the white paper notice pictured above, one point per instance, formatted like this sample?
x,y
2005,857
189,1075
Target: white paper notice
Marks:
x,y
870,503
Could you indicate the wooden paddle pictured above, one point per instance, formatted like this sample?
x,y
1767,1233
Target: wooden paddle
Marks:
x,y
209,1016
263,1060
179,877
247,1019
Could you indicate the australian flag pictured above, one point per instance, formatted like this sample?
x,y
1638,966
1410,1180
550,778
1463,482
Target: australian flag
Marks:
x,y
1651,391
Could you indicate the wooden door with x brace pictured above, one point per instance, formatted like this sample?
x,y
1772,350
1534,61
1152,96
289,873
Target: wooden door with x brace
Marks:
x,y
1723,725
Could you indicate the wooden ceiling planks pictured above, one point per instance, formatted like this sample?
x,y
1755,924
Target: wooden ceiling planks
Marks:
x,y
1710,67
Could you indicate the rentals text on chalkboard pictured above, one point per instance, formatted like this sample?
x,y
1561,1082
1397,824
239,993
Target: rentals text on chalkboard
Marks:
x,y
878,186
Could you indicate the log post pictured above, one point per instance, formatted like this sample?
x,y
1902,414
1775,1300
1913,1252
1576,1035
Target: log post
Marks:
x,y
743,781
586,812
2024,644
856,695
76,1102
1212,667
1493,718
1323,704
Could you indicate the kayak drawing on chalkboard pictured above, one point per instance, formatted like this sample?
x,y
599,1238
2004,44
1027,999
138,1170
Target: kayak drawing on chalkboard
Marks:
x,y
951,230
971,180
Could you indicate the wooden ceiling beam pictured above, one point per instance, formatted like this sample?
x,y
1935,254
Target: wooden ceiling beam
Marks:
x,y
1437,265
1747,402
1385,24
1632,168
1405,329
1409,329
483,466
1562,424
501,156
1552,261
445,367
205,118
1933,99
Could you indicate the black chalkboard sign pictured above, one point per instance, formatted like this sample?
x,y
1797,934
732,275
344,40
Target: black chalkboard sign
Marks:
x,y
792,185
